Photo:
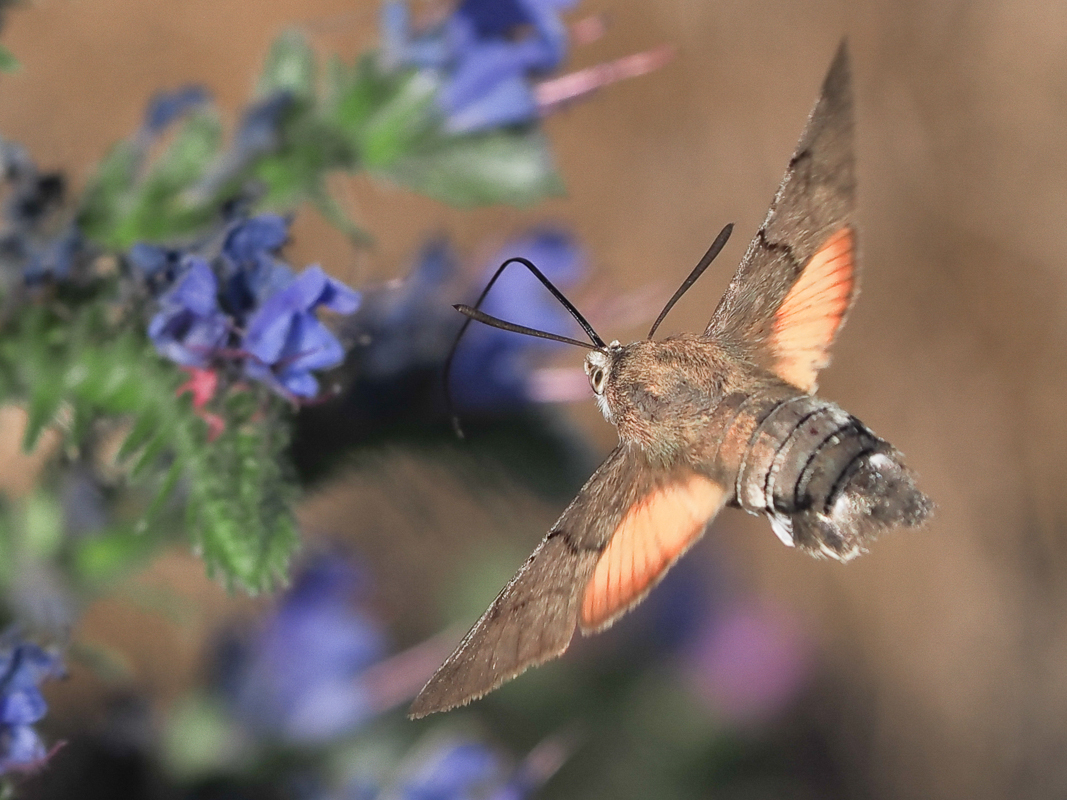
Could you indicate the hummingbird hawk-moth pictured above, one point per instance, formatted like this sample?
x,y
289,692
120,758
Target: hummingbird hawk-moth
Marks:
x,y
725,417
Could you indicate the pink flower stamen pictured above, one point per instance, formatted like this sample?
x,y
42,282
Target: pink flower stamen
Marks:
x,y
203,383
554,93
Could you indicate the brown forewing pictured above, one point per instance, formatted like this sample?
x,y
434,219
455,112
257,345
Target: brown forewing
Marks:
x,y
815,201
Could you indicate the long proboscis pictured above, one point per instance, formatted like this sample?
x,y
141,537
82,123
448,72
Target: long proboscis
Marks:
x,y
473,312
698,270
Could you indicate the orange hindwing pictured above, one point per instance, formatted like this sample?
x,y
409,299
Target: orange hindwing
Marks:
x,y
653,534
812,312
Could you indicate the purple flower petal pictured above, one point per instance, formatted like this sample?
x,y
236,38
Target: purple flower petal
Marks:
x,y
247,239
470,107
24,666
260,129
20,747
486,55
286,341
310,345
198,289
189,326
22,706
298,383
300,678
463,769
151,259
167,107
338,297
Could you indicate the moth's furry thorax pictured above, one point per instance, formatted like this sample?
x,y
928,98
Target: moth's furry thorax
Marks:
x,y
659,393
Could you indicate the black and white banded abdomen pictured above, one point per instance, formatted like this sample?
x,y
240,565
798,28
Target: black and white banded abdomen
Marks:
x,y
826,482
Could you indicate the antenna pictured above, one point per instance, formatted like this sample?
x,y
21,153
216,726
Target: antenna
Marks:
x,y
698,270
472,313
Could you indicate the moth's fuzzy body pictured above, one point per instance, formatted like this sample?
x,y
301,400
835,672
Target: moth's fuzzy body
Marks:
x,y
687,402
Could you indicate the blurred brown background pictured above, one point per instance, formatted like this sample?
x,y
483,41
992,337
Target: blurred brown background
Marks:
x,y
947,648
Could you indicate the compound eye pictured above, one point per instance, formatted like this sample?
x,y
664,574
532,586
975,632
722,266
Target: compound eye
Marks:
x,y
596,380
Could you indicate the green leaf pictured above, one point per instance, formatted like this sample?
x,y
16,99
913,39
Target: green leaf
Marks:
x,y
504,167
144,429
396,125
43,525
353,97
109,554
244,512
240,488
335,214
188,156
290,67
43,406
8,62
108,196
126,203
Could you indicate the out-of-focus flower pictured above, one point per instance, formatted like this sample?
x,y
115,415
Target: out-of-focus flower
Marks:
x,y
23,667
485,56
750,661
190,326
490,84
166,107
260,128
403,331
37,242
285,341
493,59
259,132
452,771
299,679
159,265
456,769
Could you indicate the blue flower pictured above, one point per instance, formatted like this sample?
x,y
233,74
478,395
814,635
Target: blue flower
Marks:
x,y
166,107
299,679
23,666
405,326
252,272
261,301
37,244
157,264
454,771
190,326
55,258
486,55
285,341
260,129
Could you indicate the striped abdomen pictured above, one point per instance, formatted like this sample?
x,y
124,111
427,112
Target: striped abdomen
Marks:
x,y
825,481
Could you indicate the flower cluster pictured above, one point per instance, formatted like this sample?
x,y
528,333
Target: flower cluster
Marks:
x,y
37,243
316,674
23,666
241,304
485,70
298,680
493,61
